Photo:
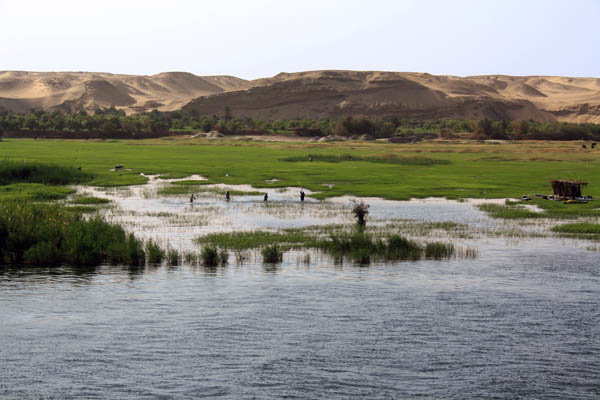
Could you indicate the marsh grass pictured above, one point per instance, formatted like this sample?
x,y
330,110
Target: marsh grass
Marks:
x,y
89,200
291,238
551,209
37,234
172,257
509,211
34,172
588,231
190,258
385,159
439,250
174,190
33,192
212,256
272,254
337,241
585,228
154,253
83,209
362,247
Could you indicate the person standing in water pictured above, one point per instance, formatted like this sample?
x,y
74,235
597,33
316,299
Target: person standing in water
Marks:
x,y
266,198
227,196
192,198
302,196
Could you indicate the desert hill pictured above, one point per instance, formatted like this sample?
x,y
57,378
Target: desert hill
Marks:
x,y
21,91
410,95
311,94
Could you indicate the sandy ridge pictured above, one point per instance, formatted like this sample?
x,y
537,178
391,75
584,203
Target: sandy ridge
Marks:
x,y
311,94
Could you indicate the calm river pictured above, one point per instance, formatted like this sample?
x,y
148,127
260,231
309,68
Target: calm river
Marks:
x,y
522,320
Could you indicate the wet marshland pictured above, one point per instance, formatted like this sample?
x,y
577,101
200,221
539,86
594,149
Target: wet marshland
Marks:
x,y
519,320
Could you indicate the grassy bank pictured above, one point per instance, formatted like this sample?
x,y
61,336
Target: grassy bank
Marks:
x,y
548,209
26,180
452,169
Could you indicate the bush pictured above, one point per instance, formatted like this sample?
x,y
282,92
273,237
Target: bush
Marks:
x,y
360,210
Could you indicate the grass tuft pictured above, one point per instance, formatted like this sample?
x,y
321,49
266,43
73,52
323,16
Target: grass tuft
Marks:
x,y
272,254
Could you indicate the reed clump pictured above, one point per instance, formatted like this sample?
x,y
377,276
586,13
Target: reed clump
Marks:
x,y
49,235
172,257
212,256
154,253
272,254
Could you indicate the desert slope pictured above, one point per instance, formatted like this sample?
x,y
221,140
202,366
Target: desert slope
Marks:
x,y
410,95
312,94
21,91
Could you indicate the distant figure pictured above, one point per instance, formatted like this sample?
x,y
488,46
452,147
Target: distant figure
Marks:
x,y
302,195
192,198
583,146
310,158
266,198
227,196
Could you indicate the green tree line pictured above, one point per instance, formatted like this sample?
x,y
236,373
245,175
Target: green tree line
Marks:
x,y
115,123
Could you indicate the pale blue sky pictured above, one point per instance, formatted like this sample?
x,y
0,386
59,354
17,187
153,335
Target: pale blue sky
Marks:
x,y
260,38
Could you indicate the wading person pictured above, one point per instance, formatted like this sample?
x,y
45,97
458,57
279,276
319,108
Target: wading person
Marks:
x,y
227,196
302,196
266,198
192,198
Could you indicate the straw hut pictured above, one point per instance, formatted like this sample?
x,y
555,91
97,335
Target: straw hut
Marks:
x,y
568,189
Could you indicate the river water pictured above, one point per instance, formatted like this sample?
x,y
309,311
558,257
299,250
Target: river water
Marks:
x,y
519,321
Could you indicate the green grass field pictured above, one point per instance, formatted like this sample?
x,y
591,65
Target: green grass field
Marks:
x,y
392,171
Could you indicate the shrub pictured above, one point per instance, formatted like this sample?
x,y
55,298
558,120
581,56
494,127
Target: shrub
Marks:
x,y
360,210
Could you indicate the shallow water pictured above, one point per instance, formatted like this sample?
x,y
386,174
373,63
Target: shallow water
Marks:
x,y
519,321
177,221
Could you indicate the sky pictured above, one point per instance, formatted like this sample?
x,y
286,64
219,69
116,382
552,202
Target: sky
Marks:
x,y
259,38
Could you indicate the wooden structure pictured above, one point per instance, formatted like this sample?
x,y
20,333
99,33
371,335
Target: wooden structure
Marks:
x,y
567,189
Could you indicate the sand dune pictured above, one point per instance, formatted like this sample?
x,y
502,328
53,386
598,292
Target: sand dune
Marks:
x,y
21,91
311,94
410,95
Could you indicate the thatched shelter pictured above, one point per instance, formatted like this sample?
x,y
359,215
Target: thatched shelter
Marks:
x,y
568,189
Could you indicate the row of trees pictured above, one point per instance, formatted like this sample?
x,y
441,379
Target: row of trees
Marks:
x,y
534,130
109,122
114,123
